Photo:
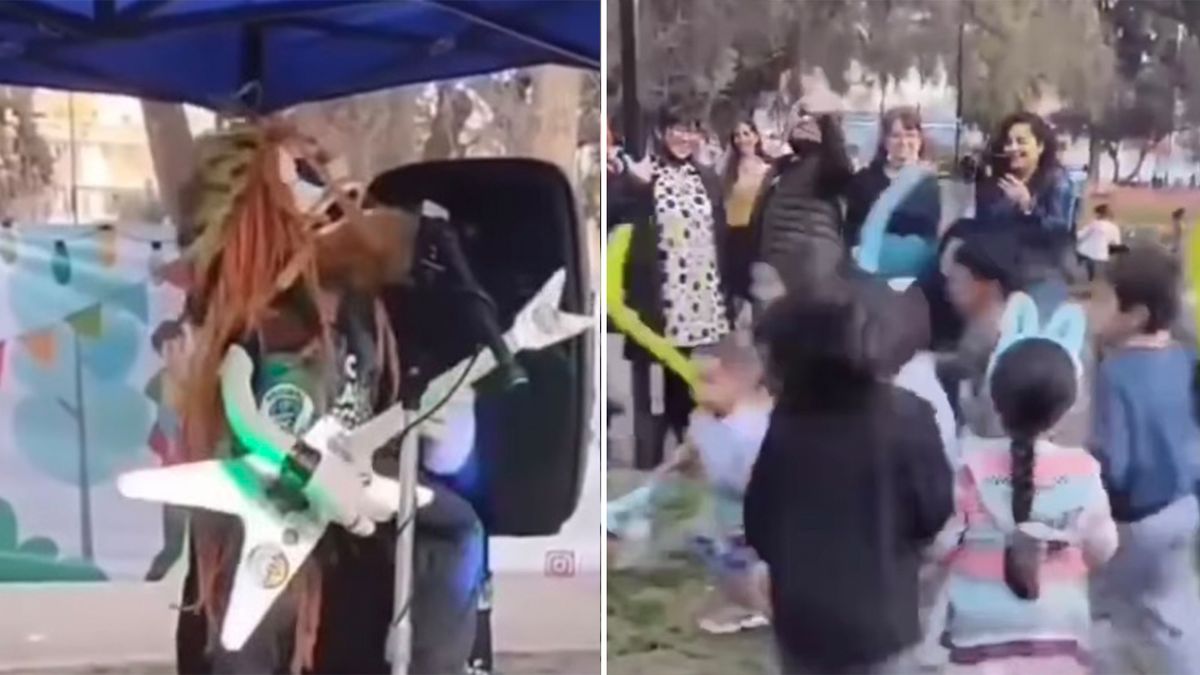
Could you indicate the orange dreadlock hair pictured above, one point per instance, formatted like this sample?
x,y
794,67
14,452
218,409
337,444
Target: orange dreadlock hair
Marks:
x,y
253,247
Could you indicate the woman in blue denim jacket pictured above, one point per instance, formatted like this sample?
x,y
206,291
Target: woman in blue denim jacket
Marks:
x,y
1026,182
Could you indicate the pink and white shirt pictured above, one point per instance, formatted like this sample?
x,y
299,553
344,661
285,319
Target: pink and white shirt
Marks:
x,y
1070,513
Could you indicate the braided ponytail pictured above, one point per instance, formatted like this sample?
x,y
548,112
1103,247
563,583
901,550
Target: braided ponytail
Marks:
x,y
1023,553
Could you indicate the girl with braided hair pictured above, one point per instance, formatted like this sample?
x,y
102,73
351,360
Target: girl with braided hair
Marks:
x,y
1032,517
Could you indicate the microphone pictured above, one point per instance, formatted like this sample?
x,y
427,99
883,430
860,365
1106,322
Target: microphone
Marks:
x,y
435,220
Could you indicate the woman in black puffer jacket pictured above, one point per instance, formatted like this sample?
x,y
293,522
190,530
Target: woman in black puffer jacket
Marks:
x,y
798,218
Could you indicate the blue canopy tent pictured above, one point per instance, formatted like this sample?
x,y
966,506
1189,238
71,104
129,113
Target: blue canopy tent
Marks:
x,y
265,55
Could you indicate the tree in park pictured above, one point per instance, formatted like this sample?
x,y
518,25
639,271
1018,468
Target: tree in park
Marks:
x,y
731,55
1155,75
1019,51
26,161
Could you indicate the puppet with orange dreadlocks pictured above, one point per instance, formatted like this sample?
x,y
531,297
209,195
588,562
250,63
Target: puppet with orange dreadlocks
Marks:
x,y
294,364
289,272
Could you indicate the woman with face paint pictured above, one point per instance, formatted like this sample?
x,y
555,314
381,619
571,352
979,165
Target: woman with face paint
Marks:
x,y
673,274
1027,183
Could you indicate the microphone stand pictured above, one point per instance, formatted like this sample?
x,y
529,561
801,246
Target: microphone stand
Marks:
x,y
400,635
434,225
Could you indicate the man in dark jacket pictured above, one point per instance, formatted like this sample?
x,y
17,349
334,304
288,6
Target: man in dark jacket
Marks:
x,y
798,217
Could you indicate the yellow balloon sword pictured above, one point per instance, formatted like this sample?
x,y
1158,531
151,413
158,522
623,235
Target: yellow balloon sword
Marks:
x,y
628,320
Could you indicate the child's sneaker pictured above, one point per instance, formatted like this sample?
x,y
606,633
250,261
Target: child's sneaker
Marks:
x,y
731,619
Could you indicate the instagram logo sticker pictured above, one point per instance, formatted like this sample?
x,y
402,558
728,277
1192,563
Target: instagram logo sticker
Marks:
x,y
560,564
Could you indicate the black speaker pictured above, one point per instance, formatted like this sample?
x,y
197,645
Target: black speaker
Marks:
x,y
517,223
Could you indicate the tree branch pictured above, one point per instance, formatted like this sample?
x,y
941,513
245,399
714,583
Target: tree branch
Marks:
x,y
973,18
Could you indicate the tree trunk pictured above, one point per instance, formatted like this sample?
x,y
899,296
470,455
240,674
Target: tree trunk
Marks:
x,y
1094,150
1114,153
453,109
1137,168
392,144
172,152
373,132
555,111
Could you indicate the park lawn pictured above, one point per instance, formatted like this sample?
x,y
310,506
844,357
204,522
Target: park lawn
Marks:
x,y
652,606
1140,208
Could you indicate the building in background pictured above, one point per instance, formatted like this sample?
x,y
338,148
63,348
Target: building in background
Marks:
x,y
102,167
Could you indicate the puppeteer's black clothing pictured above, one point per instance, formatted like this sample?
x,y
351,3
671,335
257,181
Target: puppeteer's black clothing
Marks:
x,y
840,504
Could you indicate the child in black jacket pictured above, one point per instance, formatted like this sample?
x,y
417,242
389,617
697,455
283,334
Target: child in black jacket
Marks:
x,y
850,485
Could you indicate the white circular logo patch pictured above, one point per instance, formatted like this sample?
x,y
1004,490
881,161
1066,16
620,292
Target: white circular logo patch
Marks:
x,y
288,406
268,565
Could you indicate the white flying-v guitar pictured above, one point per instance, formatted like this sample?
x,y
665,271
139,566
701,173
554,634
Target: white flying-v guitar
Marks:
x,y
329,466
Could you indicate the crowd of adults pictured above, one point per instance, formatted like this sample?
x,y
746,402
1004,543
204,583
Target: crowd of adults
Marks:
x,y
965,444
760,222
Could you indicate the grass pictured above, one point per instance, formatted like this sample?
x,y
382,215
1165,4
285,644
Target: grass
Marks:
x,y
1143,212
652,605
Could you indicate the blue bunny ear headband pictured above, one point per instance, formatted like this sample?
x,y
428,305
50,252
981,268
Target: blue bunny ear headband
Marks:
x,y
1067,328
893,256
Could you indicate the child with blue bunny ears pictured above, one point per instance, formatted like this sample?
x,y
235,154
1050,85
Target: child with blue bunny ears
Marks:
x,y
1032,516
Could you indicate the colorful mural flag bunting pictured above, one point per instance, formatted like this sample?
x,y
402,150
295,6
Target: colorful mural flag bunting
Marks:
x,y
88,322
42,345
108,245
61,264
136,300
155,261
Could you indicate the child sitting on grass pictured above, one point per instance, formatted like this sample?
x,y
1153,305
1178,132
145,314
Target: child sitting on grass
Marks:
x,y
720,448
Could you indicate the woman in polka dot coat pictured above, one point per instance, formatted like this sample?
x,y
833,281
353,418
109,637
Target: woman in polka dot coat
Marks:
x,y
673,278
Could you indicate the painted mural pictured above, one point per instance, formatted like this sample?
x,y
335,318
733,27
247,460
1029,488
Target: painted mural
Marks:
x,y
90,349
